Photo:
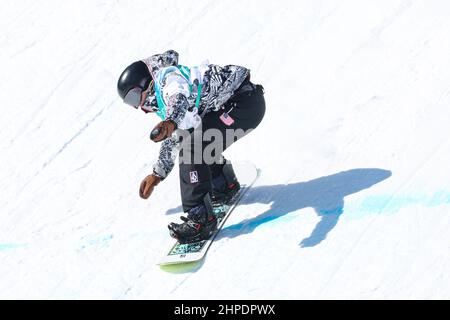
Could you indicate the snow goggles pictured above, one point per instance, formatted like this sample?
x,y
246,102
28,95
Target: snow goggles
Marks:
x,y
134,96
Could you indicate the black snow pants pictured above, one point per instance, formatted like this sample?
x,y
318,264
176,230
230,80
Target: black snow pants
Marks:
x,y
200,155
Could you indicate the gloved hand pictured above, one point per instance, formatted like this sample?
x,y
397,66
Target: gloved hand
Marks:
x,y
162,131
147,185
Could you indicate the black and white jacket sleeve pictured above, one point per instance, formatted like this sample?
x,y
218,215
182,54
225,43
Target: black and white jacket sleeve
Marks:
x,y
168,153
175,92
170,147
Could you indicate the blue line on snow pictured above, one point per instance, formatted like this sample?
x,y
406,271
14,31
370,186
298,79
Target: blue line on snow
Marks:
x,y
386,204
10,246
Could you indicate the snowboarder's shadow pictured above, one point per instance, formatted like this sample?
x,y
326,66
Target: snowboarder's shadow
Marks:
x,y
325,195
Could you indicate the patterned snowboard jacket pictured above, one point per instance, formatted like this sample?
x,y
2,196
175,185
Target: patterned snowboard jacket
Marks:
x,y
179,97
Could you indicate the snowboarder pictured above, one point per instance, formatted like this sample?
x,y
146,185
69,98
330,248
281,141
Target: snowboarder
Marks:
x,y
191,101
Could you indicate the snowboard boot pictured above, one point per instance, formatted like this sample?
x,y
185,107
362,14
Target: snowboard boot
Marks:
x,y
225,186
197,226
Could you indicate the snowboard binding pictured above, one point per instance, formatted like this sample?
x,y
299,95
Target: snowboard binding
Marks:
x,y
199,225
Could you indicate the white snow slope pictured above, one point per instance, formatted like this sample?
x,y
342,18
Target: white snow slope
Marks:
x,y
354,197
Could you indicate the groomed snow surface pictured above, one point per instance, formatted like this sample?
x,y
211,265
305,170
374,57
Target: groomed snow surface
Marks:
x,y
354,197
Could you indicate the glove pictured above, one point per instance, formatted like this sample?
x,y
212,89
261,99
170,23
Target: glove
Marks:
x,y
147,185
163,130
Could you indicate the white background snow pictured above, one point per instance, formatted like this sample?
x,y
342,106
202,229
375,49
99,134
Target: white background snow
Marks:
x,y
354,197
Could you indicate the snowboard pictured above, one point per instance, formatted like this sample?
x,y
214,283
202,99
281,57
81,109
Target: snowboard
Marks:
x,y
179,253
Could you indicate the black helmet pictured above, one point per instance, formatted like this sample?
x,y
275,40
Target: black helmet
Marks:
x,y
133,80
